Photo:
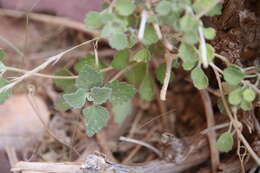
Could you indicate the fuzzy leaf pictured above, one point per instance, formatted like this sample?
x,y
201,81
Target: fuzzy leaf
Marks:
x,y
209,33
146,89
121,92
189,23
99,95
96,118
235,97
66,84
233,75
200,80
89,78
225,142
249,95
201,5
88,59
136,74
61,105
5,94
187,52
120,59
150,36
93,20
163,8
76,99
121,111
125,7
118,41
142,55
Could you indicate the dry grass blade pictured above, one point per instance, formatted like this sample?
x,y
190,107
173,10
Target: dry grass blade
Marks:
x,y
50,60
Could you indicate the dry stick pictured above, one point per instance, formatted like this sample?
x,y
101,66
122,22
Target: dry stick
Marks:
x,y
60,21
211,134
235,123
52,59
167,75
35,108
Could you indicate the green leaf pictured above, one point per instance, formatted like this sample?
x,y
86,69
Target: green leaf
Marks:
x,y
150,36
2,55
233,75
118,41
93,20
125,7
225,142
187,52
76,99
136,74
121,92
121,111
246,106
249,95
200,80
89,78
163,8
66,84
61,105
146,89
2,67
90,60
114,27
235,97
191,37
99,95
190,64
120,59
210,52
4,95
215,11
160,73
132,40
209,33
189,23
142,55
96,118
201,5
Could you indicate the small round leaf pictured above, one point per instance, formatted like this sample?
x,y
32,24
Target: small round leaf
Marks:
x,y
225,142
249,95
233,75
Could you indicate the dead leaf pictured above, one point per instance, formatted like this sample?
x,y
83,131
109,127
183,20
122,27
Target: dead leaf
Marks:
x,y
20,125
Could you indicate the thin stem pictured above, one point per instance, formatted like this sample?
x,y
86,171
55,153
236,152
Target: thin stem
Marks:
x,y
39,74
142,24
235,123
123,71
52,59
167,76
224,59
51,76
